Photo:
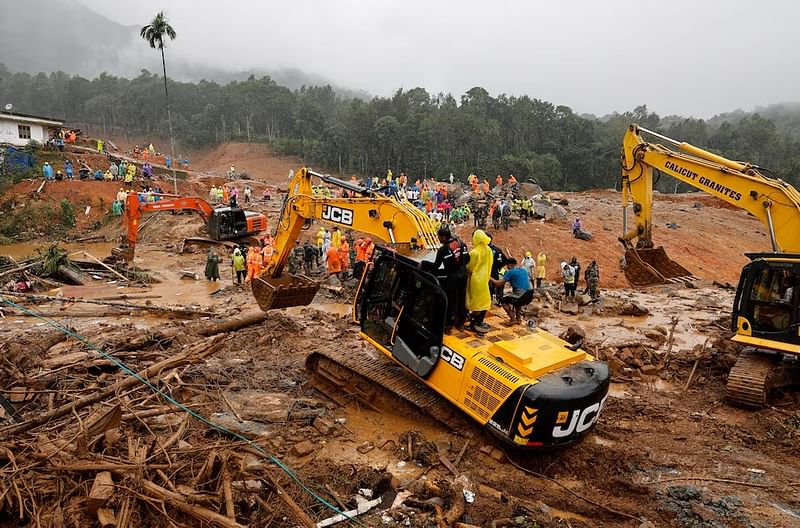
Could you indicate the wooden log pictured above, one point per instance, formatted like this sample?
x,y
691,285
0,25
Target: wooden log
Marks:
x,y
106,518
102,490
189,354
232,325
20,268
198,512
75,276
109,268
32,348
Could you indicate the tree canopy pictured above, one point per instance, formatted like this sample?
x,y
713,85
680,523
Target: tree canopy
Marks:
x,y
413,131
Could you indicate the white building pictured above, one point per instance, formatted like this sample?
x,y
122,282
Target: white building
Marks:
x,y
19,129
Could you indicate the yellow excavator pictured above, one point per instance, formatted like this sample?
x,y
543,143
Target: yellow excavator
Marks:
x,y
766,310
529,388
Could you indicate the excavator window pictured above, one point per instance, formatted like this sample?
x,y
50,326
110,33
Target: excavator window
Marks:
x,y
773,299
403,310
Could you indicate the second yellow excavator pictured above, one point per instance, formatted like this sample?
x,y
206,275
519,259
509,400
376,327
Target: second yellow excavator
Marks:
x,y
766,311
529,388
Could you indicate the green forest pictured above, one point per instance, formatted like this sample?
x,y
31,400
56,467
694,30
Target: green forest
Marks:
x,y
414,131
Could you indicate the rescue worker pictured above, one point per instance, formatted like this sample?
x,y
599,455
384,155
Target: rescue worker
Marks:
x,y
521,291
336,238
592,279
212,194
238,264
541,270
212,265
267,250
344,255
498,261
59,175
320,242
478,300
486,186
361,258
529,265
69,170
577,268
309,256
99,146
453,257
499,181
253,263
334,262
296,258
47,171
248,192
568,274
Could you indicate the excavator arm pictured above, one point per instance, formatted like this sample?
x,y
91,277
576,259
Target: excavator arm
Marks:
x,y
396,222
771,200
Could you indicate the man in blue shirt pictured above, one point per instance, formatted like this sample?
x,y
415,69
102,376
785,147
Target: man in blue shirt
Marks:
x,y
521,291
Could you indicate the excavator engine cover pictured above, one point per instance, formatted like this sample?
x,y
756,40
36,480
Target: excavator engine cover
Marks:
x,y
650,267
287,291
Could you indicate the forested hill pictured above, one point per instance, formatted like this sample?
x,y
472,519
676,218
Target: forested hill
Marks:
x,y
412,131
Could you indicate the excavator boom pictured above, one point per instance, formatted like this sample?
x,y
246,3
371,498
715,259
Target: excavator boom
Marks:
x,y
396,222
771,200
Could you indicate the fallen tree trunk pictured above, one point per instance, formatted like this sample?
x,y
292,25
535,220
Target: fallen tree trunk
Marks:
x,y
166,309
176,500
198,350
33,347
232,325
75,276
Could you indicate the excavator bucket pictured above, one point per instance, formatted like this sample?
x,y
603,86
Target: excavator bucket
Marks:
x,y
287,291
650,267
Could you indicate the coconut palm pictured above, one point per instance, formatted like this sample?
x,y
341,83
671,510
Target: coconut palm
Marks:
x,y
154,33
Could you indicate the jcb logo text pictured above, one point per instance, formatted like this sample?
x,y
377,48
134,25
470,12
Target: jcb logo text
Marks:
x,y
337,214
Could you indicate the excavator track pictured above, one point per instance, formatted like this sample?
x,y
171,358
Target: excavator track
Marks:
x,y
375,381
755,375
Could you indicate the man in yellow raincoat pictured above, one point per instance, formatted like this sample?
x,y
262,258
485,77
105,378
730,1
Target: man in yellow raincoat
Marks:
x,y
479,268
541,271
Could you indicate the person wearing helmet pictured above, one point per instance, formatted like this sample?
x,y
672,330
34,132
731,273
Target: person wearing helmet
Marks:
x,y
47,171
451,260
529,265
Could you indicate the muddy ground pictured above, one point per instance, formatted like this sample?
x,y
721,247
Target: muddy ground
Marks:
x,y
664,452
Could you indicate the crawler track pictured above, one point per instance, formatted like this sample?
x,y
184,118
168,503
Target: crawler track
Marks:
x,y
371,378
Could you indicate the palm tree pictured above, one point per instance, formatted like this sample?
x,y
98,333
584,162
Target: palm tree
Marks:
x,y
155,32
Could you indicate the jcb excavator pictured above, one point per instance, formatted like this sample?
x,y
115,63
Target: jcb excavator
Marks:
x,y
222,223
766,310
527,387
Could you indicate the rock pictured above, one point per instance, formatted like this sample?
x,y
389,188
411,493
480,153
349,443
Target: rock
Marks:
x,y
529,189
650,370
498,454
632,308
486,449
323,425
615,365
303,448
573,334
660,329
647,524
555,213
570,309
584,299
654,335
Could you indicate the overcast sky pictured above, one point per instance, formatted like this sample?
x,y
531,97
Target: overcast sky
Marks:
x,y
689,57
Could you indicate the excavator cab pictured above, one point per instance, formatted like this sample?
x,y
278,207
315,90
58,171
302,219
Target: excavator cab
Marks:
x,y
766,307
228,223
403,309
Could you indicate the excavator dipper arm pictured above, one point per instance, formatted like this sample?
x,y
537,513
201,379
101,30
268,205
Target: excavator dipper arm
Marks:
x,y
771,200
391,220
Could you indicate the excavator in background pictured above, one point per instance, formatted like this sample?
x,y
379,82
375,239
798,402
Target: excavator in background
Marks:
x,y
222,223
530,389
766,310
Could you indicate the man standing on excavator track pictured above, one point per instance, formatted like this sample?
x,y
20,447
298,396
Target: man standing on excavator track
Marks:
x,y
453,256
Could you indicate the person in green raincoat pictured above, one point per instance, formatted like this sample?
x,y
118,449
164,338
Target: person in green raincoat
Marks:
x,y
212,265
479,268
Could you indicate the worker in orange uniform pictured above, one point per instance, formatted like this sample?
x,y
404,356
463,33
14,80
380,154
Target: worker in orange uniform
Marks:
x,y
499,181
267,250
486,186
253,263
344,255
225,195
334,261
512,180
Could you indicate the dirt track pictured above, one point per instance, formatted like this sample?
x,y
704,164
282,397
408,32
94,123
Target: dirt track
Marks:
x,y
660,453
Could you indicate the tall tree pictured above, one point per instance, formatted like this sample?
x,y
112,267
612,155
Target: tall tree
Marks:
x,y
154,33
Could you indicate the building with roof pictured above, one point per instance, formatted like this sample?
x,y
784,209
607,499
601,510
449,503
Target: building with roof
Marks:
x,y
19,129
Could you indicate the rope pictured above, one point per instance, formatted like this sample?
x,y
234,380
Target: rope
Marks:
x,y
197,416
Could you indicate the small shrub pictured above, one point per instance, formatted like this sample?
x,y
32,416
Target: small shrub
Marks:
x,y
67,214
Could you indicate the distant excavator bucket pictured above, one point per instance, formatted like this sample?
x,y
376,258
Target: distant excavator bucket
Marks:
x,y
651,267
287,291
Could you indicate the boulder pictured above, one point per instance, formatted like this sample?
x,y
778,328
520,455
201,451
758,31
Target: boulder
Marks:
x,y
303,448
654,335
555,213
570,309
529,189
573,334
632,308
584,299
